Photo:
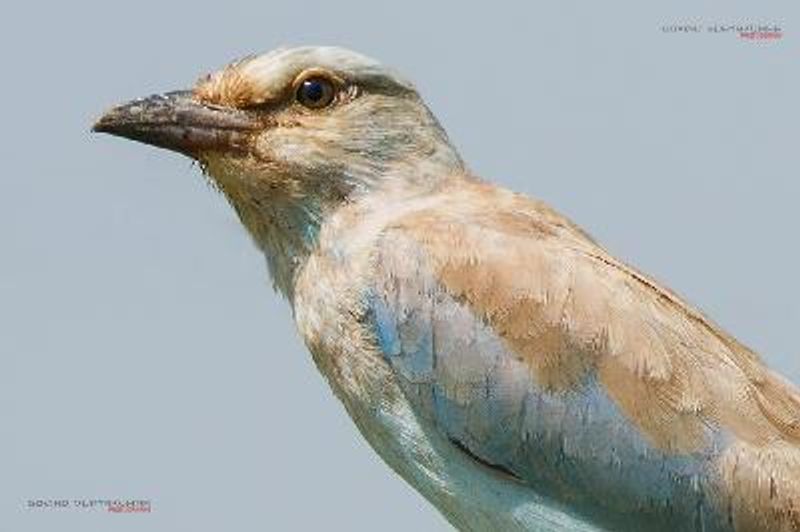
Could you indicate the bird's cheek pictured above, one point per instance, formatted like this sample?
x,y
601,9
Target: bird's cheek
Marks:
x,y
294,147
264,147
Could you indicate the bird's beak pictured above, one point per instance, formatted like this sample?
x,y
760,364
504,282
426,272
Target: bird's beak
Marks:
x,y
178,122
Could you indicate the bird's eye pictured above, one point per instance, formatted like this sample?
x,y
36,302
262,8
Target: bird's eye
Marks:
x,y
315,93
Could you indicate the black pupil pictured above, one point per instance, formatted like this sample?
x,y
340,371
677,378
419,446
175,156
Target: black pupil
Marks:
x,y
313,90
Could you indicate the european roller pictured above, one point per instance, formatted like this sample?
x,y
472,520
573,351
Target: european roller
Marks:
x,y
490,351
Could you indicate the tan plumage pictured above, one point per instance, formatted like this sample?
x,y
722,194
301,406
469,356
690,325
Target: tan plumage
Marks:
x,y
577,310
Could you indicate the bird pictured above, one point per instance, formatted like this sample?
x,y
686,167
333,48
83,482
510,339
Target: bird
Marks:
x,y
492,352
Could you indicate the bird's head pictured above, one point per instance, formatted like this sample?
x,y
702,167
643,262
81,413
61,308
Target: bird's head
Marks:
x,y
292,135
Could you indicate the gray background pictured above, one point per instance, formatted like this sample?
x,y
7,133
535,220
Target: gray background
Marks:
x,y
142,352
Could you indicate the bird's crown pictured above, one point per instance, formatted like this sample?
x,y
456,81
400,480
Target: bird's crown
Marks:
x,y
260,79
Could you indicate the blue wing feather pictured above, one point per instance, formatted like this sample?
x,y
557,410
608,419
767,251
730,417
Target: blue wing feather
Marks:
x,y
574,446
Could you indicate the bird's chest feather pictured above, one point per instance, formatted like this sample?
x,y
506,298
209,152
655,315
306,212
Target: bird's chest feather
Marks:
x,y
331,317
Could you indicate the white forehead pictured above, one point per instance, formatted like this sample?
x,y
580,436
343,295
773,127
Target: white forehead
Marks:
x,y
279,67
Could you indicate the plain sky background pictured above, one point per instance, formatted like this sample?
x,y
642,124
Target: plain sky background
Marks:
x,y
142,351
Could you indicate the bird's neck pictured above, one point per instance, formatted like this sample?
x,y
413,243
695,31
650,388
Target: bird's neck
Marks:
x,y
286,227
286,232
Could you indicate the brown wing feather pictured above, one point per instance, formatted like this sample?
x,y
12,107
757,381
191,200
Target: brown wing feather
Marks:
x,y
572,311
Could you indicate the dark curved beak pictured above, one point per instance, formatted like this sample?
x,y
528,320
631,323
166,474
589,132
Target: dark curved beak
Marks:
x,y
178,122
